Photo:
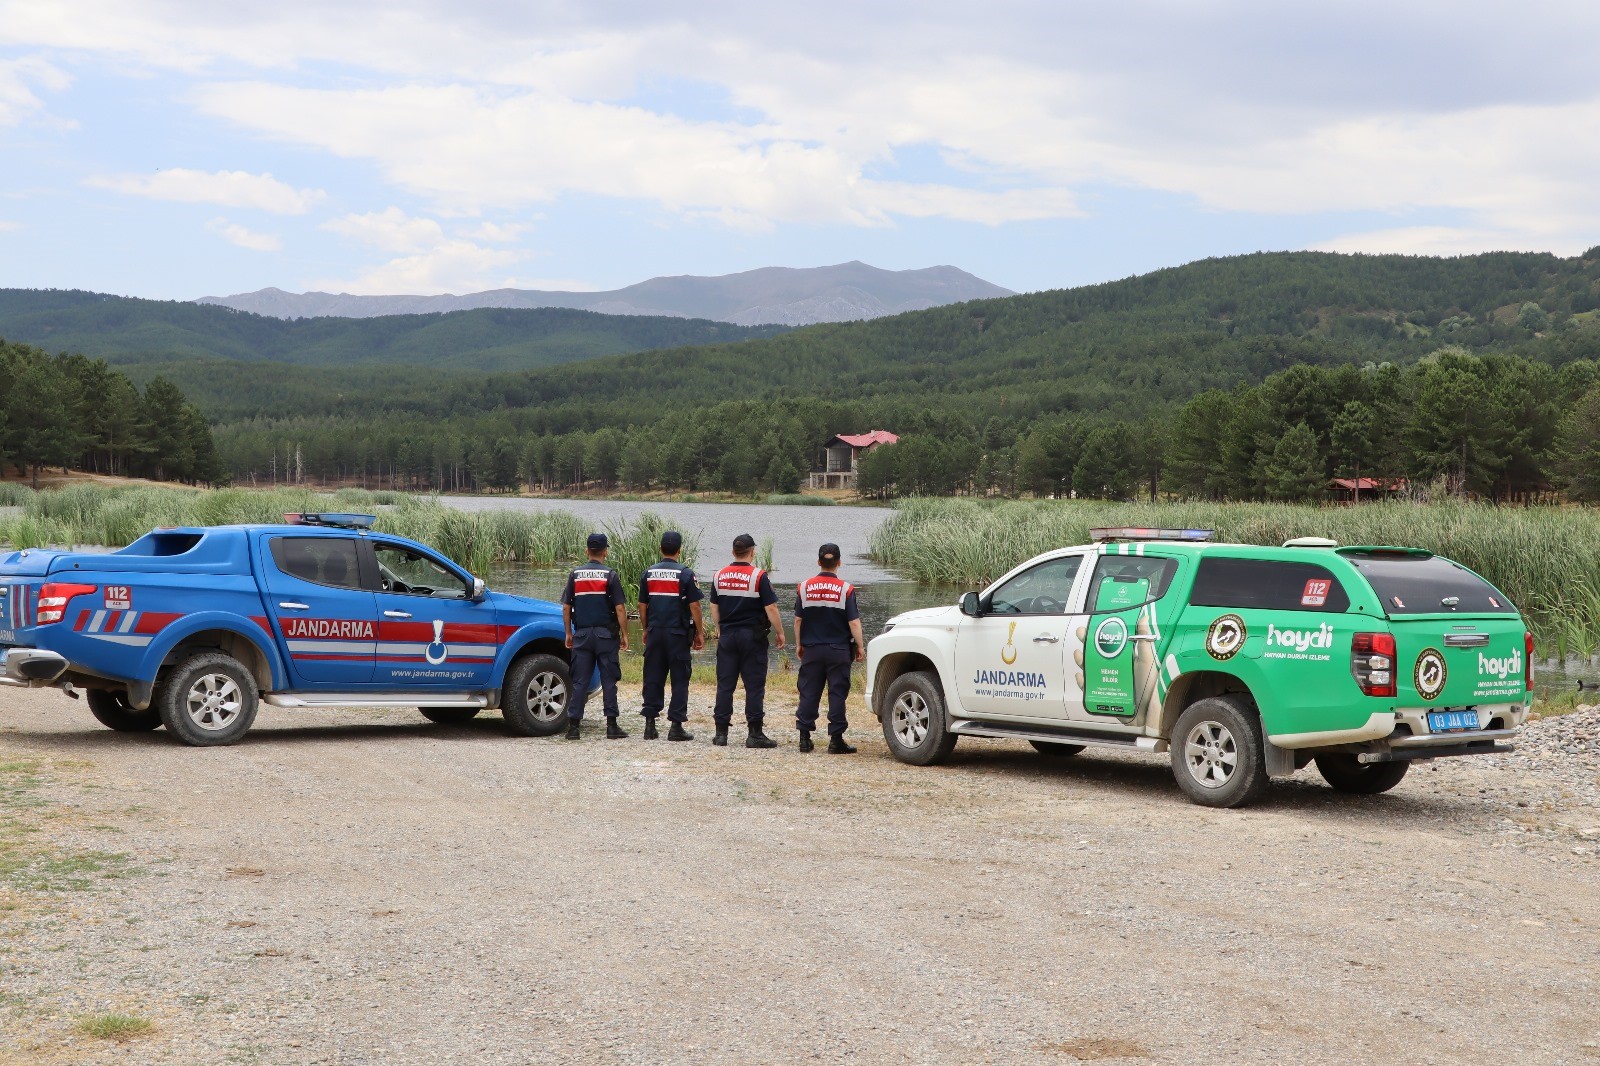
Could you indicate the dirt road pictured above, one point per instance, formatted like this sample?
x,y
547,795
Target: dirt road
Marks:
x,y
370,888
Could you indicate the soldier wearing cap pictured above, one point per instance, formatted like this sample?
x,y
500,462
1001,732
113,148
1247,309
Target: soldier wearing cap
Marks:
x,y
744,609
669,615
595,615
827,636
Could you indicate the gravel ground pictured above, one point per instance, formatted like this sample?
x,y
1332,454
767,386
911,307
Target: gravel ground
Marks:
x,y
364,887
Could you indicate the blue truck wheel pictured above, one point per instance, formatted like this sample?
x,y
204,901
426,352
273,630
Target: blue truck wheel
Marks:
x,y
207,699
112,710
537,692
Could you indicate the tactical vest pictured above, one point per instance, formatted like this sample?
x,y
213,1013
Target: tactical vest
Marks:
x,y
665,607
739,597
592,602
822,603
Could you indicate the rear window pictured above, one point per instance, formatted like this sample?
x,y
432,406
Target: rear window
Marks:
x,y
1124,581
323,560
1429,586
1268,586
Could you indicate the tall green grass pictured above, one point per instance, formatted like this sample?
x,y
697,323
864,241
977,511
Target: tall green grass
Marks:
x,y
797,499
113,516
637,544
1546,559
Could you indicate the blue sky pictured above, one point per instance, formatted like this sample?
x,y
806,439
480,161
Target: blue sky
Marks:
x,y
178,149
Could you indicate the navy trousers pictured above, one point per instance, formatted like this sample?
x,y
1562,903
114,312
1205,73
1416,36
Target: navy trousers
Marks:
x,y
666,653
594,647
741,655
824,665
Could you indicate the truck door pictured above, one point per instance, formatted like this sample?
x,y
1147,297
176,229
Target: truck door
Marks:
x,y
324,619
1118,648
430,630
1012,660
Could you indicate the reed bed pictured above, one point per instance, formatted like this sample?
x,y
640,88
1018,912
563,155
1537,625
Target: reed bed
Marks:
x,y
113,516
1546,559
797,499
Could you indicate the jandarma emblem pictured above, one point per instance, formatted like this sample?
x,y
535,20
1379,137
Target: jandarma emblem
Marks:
x,y
1430,673
1008,654
1225,637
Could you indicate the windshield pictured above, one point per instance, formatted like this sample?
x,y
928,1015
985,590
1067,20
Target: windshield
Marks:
x,y
1411,585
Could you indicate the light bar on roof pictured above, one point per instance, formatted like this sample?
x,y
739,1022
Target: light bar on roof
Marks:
x,y
1105,533
327,518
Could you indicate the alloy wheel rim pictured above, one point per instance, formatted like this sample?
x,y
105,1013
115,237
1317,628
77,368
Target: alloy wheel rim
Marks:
x,y
214,701
1211,753
911,719
547,696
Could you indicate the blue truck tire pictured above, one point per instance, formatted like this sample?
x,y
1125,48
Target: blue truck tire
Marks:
x,y
537,692
207,699
449,715
112,710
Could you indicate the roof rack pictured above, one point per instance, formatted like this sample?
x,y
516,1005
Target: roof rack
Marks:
x,y
335,519
1109,533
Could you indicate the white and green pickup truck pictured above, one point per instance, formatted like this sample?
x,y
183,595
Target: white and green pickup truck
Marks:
x,y
1243,662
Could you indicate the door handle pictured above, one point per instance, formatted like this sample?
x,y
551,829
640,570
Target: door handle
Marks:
x,y
1047,638
1141,636
290,605
1466,640
397,614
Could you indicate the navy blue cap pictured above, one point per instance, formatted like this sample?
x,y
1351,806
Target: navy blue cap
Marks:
x,y
598,541
828,553
743,542
671,541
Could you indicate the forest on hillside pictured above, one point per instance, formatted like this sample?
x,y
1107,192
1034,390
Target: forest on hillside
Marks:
x,y
69,411
983,391
172,334
1079,390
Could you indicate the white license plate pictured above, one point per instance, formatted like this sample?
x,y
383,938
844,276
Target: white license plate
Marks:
x,y
1448,721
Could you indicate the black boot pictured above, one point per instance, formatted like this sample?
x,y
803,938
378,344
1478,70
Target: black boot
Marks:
x,y
837,746
650,729
572,728
613,730
677,732
805,741
755,738
721,739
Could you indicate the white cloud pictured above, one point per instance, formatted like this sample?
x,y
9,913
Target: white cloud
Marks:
x,y
429,261
8,226
18,78
225,188
241,237
476,105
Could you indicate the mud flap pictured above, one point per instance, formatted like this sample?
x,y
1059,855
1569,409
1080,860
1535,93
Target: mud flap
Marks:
x,y
1280,761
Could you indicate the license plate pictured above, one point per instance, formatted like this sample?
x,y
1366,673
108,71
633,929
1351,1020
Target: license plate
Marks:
x,y
1446,721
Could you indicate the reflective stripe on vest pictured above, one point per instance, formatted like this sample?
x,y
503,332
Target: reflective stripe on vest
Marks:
x,y
739,579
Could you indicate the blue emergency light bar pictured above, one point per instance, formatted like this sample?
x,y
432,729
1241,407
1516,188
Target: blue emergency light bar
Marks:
x,y
335,519
1106,533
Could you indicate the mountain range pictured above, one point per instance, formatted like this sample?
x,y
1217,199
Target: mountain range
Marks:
x,y
768,296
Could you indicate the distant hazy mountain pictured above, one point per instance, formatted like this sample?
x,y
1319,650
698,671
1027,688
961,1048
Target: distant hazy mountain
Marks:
x,y
780,295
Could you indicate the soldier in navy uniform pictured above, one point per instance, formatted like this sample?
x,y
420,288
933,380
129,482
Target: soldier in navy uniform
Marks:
x,y
827,636
744,609
595,614
669,615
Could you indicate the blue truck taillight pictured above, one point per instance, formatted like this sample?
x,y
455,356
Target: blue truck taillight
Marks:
x,y
54,596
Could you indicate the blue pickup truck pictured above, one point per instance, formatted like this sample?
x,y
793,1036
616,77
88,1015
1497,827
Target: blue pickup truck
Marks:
x,y
191,628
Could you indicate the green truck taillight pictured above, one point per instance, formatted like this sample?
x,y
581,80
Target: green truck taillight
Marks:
x,y
1372,663
1527,660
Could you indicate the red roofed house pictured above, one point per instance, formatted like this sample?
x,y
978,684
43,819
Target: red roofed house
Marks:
x,y
836,467
1353,489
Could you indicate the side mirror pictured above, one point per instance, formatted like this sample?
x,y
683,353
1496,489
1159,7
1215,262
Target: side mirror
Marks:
x,y
971,606
479,589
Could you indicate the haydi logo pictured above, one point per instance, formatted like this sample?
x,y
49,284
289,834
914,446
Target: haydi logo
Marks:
x,y
1502,667
1300,639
